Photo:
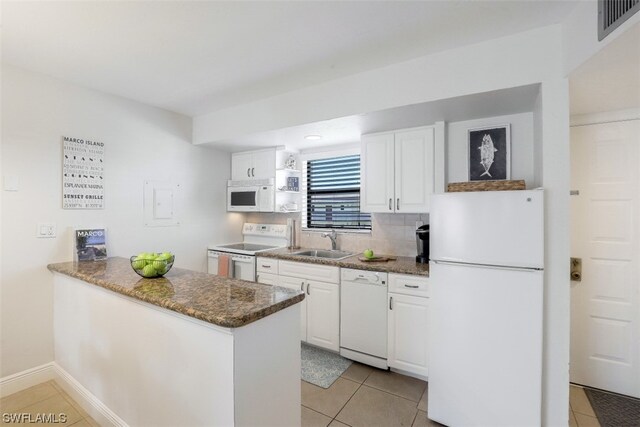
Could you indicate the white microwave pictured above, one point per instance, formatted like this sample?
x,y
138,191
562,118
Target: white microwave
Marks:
x,y
257,195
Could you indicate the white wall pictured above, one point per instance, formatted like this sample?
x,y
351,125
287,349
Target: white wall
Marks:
x,y
580,35
141,143
517,60
522,146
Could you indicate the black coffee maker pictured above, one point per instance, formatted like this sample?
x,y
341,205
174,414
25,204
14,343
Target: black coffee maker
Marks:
x,y
422,242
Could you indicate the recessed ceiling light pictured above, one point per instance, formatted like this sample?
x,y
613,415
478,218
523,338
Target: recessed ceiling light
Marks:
x,y
313,137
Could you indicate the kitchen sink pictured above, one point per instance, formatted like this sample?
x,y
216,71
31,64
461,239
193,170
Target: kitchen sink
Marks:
x,y
322,253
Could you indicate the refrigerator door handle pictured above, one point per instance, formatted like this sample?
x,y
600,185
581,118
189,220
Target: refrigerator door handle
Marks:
x,y
496,267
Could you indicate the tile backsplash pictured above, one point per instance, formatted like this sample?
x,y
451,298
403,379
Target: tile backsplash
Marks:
x,y
391,234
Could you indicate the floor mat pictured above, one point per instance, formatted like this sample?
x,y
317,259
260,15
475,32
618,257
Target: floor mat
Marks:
x,y
321,367
614,410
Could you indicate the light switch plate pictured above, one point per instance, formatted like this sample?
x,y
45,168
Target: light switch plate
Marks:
x,y
11,182
46,230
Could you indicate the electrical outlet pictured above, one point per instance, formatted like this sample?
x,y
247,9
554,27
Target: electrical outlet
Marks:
x,y
46,230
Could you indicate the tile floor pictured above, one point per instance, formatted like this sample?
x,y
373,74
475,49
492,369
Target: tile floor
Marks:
x,y
46,398
365,396
362,396
580,411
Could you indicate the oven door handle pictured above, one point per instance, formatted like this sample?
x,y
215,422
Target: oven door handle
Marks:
x,y
248,260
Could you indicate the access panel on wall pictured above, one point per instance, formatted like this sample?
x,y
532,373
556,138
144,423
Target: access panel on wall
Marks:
x,y
82,174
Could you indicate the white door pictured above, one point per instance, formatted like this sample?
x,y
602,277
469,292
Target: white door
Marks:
x,y
264,164
408,332
377,173
241,164
323,314
299,284
605,305
414,170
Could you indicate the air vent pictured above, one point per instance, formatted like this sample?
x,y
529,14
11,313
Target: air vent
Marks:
x,y
612,13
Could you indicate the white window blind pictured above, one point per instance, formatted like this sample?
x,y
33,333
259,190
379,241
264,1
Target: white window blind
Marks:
x,y
332,194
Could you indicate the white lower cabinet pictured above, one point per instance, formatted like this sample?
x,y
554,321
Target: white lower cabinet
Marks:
x,y
407,334
320,310
323,314
298,284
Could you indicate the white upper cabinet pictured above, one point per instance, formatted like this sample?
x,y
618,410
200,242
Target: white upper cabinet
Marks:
x,y
241,164
401,169
264,164
253,165
414,172
377,173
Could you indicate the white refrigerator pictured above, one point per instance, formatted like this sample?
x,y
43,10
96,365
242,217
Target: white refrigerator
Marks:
x,y
486,278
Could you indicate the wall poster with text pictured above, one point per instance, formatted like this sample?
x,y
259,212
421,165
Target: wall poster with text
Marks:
x,y
82,174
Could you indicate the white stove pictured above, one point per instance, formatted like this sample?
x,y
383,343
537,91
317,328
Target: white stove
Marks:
x,y
241,257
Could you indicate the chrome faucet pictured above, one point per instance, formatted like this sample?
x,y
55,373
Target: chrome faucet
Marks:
x,y
332,236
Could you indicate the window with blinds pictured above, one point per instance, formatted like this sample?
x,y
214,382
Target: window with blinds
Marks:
x,y
333,194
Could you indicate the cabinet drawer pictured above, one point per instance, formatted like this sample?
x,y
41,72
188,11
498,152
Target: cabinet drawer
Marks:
x,y
267,265
323,273
267,279
409,284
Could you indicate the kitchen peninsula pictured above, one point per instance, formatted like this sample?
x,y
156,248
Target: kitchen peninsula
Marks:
x,y
224,351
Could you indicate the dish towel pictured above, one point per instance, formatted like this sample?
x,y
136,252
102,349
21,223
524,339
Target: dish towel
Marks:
x,y
223,265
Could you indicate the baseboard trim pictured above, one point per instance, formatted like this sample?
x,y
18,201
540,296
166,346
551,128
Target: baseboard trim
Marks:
x,y
27,378
87,400
52,371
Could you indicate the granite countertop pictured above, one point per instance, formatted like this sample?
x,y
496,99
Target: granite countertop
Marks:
x,y
402,265
224,302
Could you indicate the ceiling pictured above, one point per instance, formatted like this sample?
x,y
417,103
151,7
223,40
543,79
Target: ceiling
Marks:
x,y
348,129
610,80
195,57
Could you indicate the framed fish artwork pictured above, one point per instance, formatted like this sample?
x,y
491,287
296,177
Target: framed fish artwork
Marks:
x,y
490,153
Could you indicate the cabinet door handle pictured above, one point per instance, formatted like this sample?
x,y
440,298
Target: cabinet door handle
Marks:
x,y
249,172
390,204
390,303
265,266
252,172
308,290
302,286
398,204
411,286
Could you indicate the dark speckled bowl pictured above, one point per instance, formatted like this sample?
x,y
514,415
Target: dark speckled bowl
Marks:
x,y
149,268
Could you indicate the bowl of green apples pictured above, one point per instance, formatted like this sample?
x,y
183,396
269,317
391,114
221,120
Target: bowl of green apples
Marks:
x,y
152,264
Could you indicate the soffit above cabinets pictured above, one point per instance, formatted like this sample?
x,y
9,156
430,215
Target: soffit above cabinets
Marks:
x,y
348,129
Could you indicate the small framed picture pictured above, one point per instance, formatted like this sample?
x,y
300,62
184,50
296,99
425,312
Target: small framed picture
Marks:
x,y
490,153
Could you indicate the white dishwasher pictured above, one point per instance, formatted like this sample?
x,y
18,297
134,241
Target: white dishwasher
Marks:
x,y
363,316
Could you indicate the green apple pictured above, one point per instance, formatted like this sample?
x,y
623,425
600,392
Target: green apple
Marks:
x,y
149,271
138,263
368,253
162,270
159,264
165,255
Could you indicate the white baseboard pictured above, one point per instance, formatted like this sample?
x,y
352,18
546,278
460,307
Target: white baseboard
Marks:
x,y
52,371
25,379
